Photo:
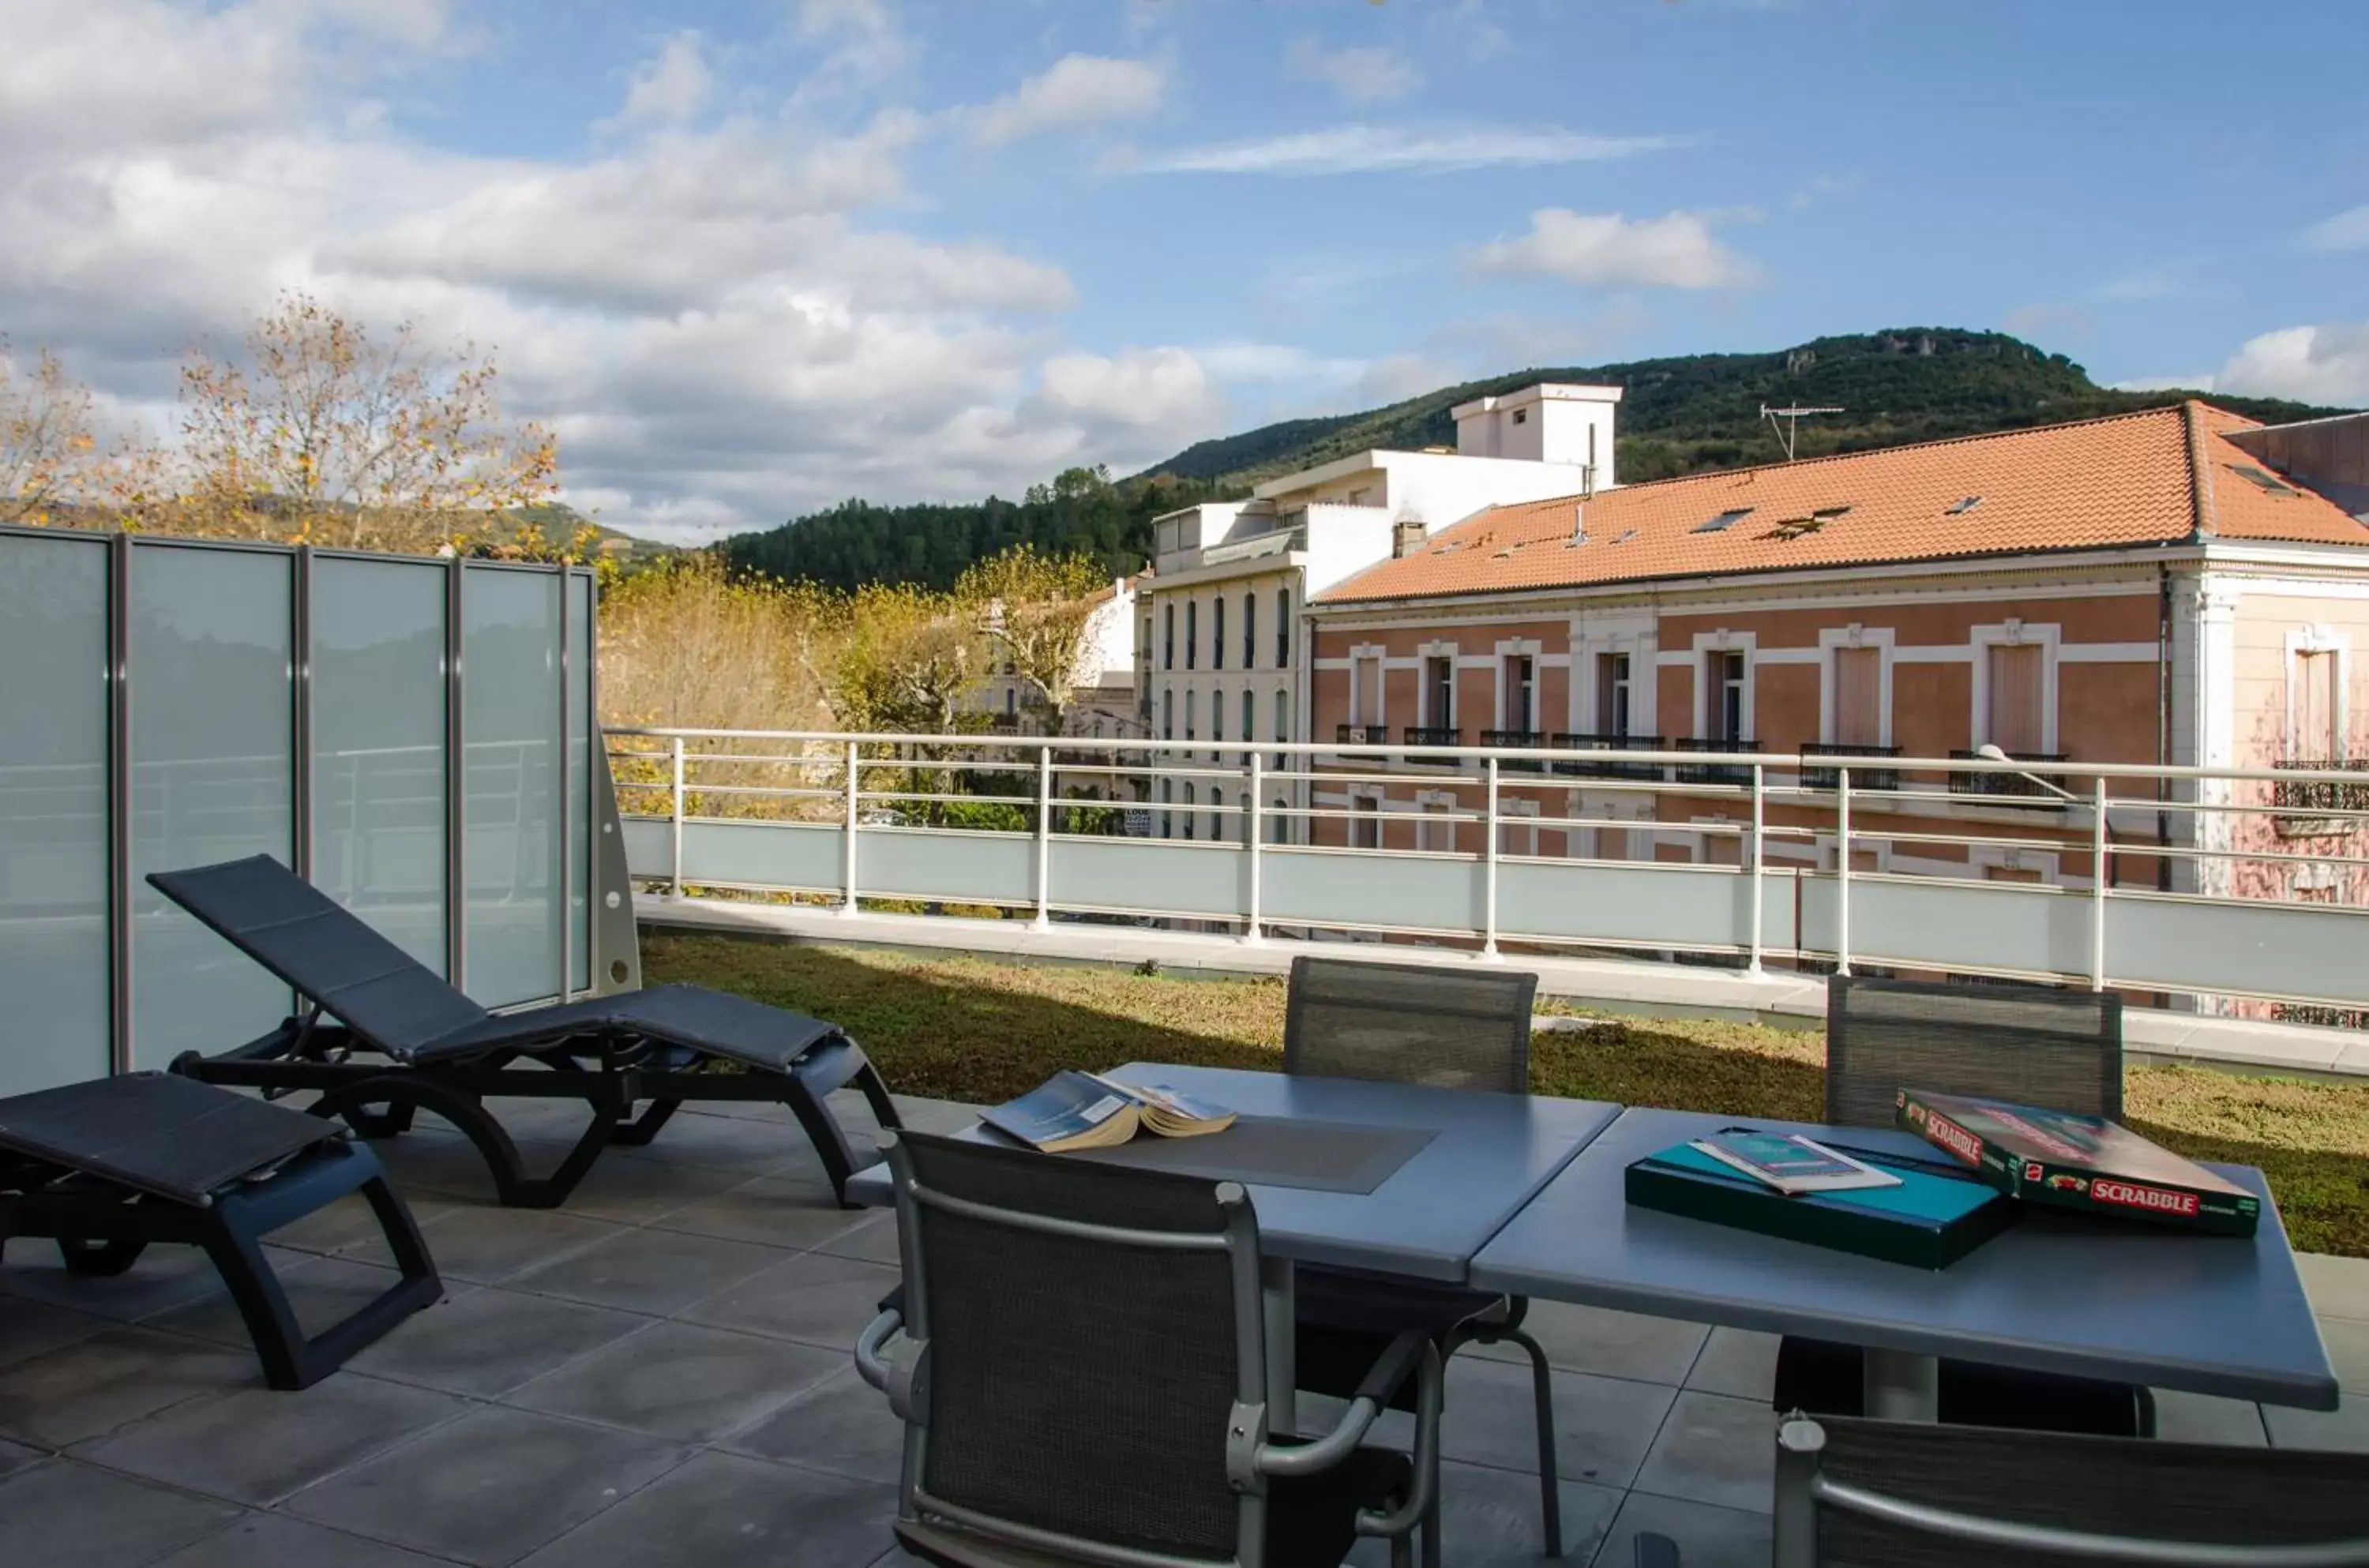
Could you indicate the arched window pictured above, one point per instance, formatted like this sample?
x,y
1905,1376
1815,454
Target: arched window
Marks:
x,y
1168,643
1218,829
1248,704
1249,631
1168,714
1283,628
1192,630
1278,826
1192,730
1218,633
1282,724
1189,810
1167,795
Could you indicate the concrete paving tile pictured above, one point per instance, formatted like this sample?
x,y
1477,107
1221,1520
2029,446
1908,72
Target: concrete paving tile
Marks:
x,y
489,1488
725,1143
484,1244
322,1289
812,1297
723,1511
351,1222
2201,1418
2344,1429
2347,1351
95,1385
639,1192
16,1456
648,1271
1611,1343
62,1513
1603,1425
259,1444
274,1541
164,1277
683,1381
2338,1288
488,1341
28,1328
874,1241
1489,1518
1739,1362
842,1425
1714,1449
769,1210
1706,1536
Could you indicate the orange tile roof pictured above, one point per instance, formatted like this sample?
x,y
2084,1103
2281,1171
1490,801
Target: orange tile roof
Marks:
x,y
2122,480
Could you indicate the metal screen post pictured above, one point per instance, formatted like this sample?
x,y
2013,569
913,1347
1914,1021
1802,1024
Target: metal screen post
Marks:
x,y
1843,870
456,777
562,769
1044,836
1489,865
1759,821
674,879
847,873
2098,893
1253,822
122,802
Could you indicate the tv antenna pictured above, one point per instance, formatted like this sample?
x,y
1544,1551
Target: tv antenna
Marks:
x,y
1791,429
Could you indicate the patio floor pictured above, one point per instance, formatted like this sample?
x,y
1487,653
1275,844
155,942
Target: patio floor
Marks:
x,y
659,1375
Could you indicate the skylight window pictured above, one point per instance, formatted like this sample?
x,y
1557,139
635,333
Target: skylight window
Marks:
x,y
2264,478
1962,508
1625,535
1723,521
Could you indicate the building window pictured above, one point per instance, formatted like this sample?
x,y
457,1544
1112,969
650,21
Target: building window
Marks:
x,y
1192,727
1218,816
1283,628
1011,701
1282,727
1367,673
1167,795
2016,721
2316,707
1520,694
1517,827
1725,673
1188,811
1440,692
1279,821
1249,704
1435,830
1859,696
1366,824
1218,633
1192,631
1168,643
1168,714
1249,631
1612,689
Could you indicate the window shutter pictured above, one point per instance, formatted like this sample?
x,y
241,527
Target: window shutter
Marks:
x,y
1859,696
2016,724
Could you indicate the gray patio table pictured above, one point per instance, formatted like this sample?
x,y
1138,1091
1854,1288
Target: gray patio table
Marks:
x,y
2064,1294
1487,1156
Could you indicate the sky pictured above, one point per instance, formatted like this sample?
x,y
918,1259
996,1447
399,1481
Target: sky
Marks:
x,y
749,259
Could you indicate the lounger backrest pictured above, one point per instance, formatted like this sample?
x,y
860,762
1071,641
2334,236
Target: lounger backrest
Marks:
x,y
330,954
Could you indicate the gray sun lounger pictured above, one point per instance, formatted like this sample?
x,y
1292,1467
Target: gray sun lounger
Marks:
x,y
382,1037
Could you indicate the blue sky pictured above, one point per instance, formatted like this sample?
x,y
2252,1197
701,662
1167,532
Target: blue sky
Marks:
x,y
752,257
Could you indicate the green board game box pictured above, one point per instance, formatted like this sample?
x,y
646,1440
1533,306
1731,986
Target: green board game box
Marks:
x,y
1936,1216
2085,1164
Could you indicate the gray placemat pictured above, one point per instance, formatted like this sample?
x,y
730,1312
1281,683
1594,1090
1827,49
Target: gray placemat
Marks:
x,y
1278,1151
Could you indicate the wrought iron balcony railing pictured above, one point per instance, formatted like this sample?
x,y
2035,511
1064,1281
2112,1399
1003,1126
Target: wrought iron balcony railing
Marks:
x,y
1361,734
1861,778
2026,789
1430,734
1607,769
1516,739
2321,795
1713,773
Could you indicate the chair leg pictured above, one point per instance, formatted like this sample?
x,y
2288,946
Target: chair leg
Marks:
x,y
1402,1552
1550,1487
1430,1528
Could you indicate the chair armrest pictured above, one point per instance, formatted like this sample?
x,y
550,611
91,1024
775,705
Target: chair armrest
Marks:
x,y
869,1364
1656,1551
1404,1517
1388,1371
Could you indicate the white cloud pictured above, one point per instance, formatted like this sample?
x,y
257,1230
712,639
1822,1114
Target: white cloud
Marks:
x,y
1077,91
1241,359
722,326
2200,382
672,86
1369,149
2310,364
1364,75
2346,231
1601,249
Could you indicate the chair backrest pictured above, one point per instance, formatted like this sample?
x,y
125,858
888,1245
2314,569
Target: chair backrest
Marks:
x,y
1085,1333
2062,1049
1450,1027
327,954
1958,1495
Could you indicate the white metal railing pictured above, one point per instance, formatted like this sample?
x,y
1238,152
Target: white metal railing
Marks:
x,y
2155,880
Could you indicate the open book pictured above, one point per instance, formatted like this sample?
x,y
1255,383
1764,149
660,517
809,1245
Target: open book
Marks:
x,y
1790,1162
1085,1110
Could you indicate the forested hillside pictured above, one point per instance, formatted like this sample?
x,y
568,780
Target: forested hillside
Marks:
x,y
1679,415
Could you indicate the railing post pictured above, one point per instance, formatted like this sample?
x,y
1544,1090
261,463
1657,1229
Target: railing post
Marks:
x,y
674,884
1759,820
1843,870
2098,893
1254,821
1043,837
847,873
1489,864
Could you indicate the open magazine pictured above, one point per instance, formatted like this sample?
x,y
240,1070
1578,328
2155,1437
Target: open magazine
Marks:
x,y
1790,1162
1086,1110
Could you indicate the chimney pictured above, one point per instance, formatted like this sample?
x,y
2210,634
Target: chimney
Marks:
x,y
1579,523
1407,535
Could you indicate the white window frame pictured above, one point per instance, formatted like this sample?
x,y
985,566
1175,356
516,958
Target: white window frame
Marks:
x,y
1854,637
1512,648
2013,633
1358,797
2318,639
1722,641
1426,825
1361,655
1424,717
1516,818
2050,866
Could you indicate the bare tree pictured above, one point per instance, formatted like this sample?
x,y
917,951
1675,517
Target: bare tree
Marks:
x,y
1036,611
48,444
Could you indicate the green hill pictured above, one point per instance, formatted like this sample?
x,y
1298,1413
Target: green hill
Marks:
x,y
1679,415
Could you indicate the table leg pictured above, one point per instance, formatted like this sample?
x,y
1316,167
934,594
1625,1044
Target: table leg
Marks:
x,y
1902,1387
1281,1300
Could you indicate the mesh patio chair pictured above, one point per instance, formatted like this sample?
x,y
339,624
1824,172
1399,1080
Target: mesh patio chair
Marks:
x,y
2058,1048
382,1037
1898,1495
1451,1029
1078,1356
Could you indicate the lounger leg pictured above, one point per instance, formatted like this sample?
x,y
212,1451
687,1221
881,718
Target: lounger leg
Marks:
x,y
638,1132
875,1089
86,1259
824,1132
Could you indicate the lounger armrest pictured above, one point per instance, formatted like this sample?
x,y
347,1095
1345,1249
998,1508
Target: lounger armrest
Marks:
x,y
870,1364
